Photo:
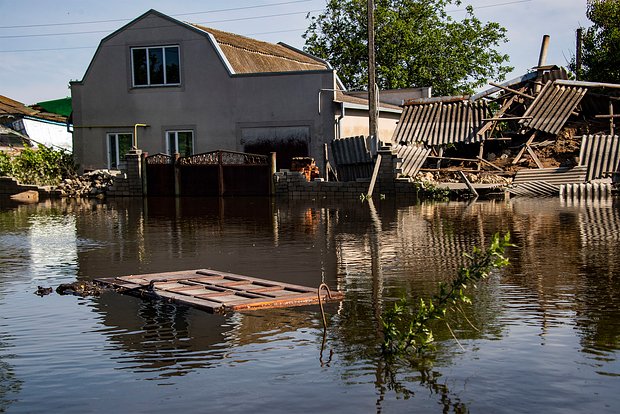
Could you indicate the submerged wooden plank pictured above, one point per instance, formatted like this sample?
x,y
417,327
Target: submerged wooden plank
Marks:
x,y
218,292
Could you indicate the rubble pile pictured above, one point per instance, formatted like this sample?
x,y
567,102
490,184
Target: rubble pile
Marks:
x,y
93,184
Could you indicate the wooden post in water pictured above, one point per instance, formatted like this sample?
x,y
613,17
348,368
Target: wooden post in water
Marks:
x,y
373,129
220,175
144,178
272,173
177,178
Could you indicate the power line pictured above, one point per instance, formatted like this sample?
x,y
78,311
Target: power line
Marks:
x,y
486,6
149,28
173,15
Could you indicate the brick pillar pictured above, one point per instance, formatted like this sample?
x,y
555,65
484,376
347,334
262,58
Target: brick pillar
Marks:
x,y
387,170
134,172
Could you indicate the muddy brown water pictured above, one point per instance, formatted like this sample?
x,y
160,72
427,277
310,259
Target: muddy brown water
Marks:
x,y
542,334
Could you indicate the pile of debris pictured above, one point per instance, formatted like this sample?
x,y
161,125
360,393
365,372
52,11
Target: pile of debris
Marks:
x,y
538,131
92,184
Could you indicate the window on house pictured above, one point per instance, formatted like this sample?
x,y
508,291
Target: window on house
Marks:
x,y
154,66
118,146
181,142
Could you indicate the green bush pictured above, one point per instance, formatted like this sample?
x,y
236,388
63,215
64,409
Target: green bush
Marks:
x,y
40,166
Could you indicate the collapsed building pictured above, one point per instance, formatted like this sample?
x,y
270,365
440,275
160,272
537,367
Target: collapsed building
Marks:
x,y
538,134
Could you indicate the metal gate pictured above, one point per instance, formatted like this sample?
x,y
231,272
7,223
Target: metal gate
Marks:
x,y
216,173
160,175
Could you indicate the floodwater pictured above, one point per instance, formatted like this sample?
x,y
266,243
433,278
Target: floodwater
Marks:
x,y
542,335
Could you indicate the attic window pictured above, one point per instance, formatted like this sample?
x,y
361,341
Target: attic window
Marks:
x,y
155,66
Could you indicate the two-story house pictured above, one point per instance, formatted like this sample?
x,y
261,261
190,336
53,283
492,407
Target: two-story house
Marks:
x,y
199,89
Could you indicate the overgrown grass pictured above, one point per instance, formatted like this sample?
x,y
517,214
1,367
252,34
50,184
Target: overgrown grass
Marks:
x,y
40,166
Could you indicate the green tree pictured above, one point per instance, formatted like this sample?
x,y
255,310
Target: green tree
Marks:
x,y
417,44
601,43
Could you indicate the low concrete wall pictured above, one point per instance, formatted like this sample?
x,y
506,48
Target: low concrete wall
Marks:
x,y
10,186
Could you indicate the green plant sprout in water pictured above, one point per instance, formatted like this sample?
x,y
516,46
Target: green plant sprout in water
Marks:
x,y
406,330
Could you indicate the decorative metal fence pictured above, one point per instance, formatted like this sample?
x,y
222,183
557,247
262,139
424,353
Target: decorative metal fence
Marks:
x,y
215,173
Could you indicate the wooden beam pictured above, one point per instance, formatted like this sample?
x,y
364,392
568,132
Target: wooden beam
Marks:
x,y
522,150
468,184
516,92
375,173
534,156
489,125
508,118
452,158
490,164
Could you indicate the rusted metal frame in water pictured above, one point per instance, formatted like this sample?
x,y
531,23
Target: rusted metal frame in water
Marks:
x,y
218,292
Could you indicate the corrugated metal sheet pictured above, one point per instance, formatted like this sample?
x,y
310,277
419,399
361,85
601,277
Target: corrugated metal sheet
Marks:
x,y
552,107
593,191
352,158
555,176
412,158
441,123
534,189
601,154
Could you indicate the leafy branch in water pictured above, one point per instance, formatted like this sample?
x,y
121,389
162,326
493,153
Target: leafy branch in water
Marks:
x,y
406,330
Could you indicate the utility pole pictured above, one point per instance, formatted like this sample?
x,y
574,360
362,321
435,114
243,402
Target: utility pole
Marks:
x,y
578,54
373,113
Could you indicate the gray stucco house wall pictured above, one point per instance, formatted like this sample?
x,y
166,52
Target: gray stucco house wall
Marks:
x,y
231,91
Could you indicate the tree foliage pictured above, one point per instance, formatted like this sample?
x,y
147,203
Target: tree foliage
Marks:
x,y
601,43
417,44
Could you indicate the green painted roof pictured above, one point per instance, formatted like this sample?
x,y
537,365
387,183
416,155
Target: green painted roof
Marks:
x,y
57,106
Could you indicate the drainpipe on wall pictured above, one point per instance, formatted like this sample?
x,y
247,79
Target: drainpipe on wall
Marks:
x,y
340,117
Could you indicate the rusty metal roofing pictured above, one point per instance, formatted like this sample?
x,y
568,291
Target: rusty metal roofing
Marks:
x,y
219,292
411,158
248,55
555,176
553,106
601,154
352,158
441,123
11,107
342,96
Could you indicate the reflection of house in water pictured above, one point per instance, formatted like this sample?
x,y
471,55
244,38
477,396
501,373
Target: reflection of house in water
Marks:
x,y
240,236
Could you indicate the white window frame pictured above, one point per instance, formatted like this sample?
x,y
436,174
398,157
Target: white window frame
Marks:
x,y
175,133
114,136
148,66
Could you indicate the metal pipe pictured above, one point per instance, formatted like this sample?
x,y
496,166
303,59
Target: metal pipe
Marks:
x,y
327,90
542,59
135,134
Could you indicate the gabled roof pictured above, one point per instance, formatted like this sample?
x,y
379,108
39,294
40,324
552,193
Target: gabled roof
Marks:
x,y
248,55
240,54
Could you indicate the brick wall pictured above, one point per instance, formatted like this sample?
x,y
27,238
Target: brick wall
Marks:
x,y
130,183
293,185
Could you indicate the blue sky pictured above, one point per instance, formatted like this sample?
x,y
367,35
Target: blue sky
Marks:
x,y
42,48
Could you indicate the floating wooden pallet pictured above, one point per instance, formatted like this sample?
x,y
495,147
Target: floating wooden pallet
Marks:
x,y
218,292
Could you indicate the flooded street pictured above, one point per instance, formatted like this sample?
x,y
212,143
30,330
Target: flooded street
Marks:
x,y
542,334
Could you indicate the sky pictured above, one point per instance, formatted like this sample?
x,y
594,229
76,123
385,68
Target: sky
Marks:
x,y
44,44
